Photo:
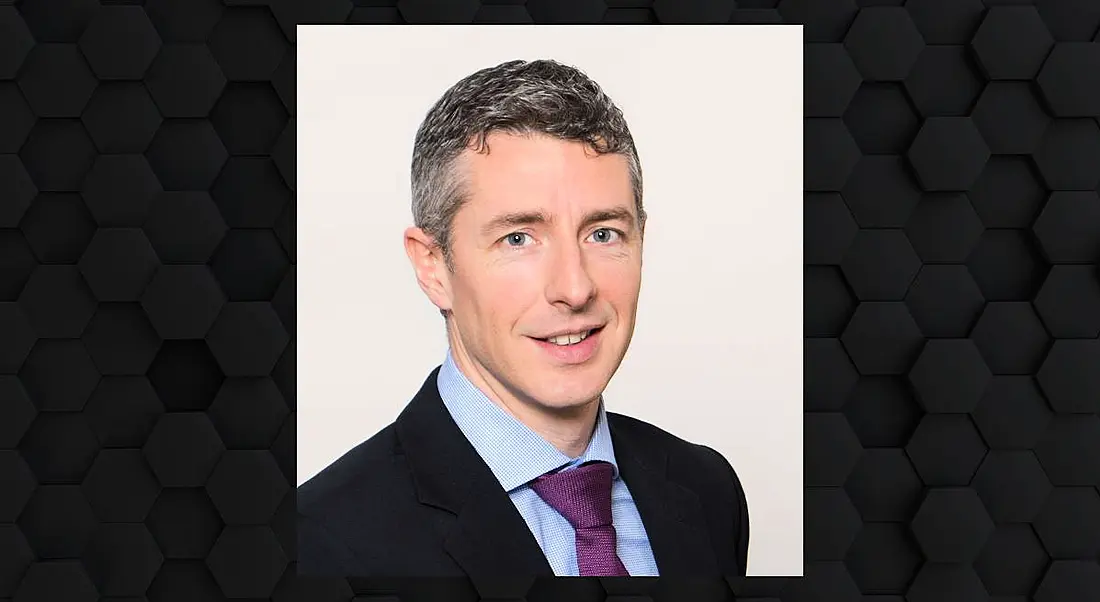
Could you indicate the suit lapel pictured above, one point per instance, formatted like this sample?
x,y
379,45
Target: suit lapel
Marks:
x,y
672,514
488,537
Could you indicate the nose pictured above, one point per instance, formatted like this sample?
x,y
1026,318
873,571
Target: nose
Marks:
x,y
569,282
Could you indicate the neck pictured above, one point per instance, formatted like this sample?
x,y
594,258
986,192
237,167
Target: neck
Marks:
x,y
567,429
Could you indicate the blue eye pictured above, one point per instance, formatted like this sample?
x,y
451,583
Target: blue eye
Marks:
x,y
515,239
608,235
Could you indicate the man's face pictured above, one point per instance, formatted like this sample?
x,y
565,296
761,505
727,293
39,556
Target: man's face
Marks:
x,y
548,243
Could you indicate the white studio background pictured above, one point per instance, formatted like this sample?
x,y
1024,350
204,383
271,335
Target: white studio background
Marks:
x,y
716,114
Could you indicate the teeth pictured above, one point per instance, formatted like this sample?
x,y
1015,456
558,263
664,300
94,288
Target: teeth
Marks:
x,y
569,339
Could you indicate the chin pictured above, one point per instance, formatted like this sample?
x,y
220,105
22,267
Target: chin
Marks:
x,y
560,395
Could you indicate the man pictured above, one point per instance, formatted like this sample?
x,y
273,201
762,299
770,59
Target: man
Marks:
x,y
527,203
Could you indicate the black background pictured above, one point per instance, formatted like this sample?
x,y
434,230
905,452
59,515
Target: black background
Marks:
x,y
952,299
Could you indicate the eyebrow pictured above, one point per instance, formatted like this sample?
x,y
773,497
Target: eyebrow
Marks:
x,y
526,218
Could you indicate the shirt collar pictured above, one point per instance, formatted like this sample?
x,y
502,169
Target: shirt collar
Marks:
x,y
515,454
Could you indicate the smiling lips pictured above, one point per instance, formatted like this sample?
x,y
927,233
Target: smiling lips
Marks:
x,y
571,348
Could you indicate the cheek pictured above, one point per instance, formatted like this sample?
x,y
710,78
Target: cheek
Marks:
x,y
619,285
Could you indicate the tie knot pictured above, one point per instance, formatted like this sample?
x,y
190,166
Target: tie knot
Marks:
x,y
581,495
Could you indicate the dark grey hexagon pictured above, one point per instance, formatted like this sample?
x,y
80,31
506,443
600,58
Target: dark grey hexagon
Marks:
x,y
247,561
946,583
946,449
1069,376
882,119
182,301
185,227
16,188
822,20
830,80
880,264
1012,562
247,487
1010,117
949,376
186,154
119,190
1067,154
832,449
185,523
183,449
58,154
1009,193
943,82
1011,337
1070,450
884,487
1070,580
832,522
179,21
121,117
123,410
120,339
120,42
248,43
946,21
828,228
829,374
57,522
120,487
1070,79
1065,228
884,558
118,264
884,43
948,153
59,375
18,339
248,412
829,154
17,119
1012,42
57,580
1013,413
880,192
1069,523
16,42
122,559
1069,303
944,300
882,338
185,80
56,80
57,301
944,228
19,482
17,556
1006,265
952,525
882,411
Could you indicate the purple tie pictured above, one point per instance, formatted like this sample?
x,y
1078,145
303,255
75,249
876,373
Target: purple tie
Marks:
x,y
583,497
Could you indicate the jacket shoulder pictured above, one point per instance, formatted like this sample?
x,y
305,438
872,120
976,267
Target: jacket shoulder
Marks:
x,y
683,456
358,471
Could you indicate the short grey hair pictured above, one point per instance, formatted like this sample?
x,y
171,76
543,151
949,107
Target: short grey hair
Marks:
x,y
517,97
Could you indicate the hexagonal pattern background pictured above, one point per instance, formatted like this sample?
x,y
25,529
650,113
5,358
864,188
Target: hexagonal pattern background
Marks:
x,y
951,286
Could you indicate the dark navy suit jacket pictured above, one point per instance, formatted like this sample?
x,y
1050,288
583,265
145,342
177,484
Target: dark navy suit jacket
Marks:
x,y
416,500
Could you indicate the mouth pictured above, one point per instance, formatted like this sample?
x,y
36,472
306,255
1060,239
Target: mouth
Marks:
x,y
574,338
571,348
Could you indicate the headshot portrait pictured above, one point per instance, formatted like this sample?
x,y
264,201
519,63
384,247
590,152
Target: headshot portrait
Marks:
x,y
498,386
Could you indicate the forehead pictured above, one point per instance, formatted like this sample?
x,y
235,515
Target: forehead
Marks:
x,y
535,171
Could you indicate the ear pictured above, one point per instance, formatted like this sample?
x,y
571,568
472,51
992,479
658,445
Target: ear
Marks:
x,y
428,266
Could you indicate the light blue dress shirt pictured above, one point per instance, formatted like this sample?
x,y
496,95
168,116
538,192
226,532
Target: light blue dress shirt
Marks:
x,y
516,455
